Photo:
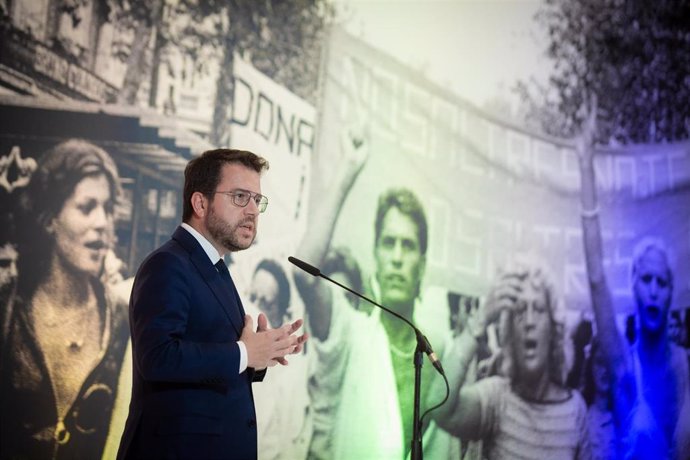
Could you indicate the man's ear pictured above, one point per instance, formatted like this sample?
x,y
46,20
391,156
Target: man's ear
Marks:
x,y
200,204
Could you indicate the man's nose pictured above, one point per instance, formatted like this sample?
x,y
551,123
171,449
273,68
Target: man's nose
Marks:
x,y
529,315
397,253
654,288
252,208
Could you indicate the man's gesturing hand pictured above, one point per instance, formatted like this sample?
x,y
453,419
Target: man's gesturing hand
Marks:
x,y
268,347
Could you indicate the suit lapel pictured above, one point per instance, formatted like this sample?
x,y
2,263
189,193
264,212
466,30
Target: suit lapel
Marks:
x,y
225,294
237,297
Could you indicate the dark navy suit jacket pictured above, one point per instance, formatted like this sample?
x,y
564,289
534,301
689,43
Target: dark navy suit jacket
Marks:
x,y
189,400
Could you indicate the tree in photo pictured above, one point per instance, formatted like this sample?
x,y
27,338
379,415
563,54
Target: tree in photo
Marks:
x,y
634,56
281,39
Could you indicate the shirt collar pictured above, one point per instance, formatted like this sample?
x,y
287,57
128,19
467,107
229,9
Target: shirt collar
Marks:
x,y
212,253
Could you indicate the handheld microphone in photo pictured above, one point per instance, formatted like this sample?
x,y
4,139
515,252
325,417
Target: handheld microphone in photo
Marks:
x,y
422,341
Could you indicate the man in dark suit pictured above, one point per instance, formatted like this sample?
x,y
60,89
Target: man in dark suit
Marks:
x,y
195,352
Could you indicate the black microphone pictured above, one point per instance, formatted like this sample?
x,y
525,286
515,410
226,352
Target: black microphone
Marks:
x,y
430,352
422,341
312,270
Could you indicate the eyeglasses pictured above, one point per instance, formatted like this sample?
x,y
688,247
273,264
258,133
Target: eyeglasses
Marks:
x,y
241,198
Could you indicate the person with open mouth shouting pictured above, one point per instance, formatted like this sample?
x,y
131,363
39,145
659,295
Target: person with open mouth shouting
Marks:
x,y
527,409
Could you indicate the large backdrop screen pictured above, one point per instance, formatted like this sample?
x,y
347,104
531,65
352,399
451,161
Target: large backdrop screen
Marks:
x,y
403,190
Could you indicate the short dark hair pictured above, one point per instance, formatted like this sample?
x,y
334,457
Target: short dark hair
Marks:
x,y
407,203
275,269
202,174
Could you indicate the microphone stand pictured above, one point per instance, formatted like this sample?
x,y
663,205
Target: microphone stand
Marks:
x,y
423,346
416,452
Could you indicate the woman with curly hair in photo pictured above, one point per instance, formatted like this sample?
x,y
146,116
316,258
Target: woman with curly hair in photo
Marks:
x,y
63,343
527,412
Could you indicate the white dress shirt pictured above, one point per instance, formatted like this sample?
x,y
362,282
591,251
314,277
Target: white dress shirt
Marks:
x,y
214,256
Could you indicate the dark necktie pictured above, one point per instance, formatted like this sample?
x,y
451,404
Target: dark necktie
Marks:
x,y
225,275
223,270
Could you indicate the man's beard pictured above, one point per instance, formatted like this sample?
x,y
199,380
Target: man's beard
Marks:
x,y
225,233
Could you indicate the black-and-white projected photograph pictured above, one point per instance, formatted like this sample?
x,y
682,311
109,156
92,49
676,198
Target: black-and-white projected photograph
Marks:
x,y
344,229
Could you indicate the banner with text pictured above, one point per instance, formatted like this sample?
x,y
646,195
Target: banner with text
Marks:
x,y
491,189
